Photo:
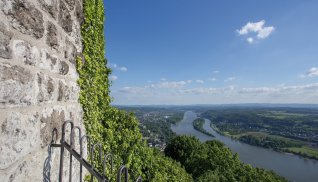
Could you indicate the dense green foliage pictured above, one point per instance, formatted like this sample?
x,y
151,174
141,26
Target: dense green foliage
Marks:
x,y
212,161
267,141
198,125
116,130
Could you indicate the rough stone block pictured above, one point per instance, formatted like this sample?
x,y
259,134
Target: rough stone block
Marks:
x,y
47,88
5,38
62,91
70,51
50,119
20,134
63,68
72,73
24,17
48,62
50,6
65,19
23,51
76,35
53,117
79,13
70,3
17,86
51,38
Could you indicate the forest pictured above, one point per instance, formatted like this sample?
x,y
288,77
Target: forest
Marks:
x,y
212,161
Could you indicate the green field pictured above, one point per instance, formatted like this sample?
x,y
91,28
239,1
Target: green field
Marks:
x,y
299,147
304,150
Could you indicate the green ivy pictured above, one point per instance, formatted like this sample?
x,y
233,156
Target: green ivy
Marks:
x,y
116,130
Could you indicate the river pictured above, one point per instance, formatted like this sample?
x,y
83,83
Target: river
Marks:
x,y
292,167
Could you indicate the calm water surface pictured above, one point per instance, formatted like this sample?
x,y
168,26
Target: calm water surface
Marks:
x,y
293,167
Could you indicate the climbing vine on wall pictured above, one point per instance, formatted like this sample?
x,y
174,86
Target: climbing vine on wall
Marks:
x,y
116,130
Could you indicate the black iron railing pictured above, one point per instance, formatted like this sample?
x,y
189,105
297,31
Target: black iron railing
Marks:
x,y
70,147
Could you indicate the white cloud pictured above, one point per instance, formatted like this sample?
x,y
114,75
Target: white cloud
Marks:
x,y
220,95
199,81
250,40
170,85
281,90
216,72
257,27
198,91
212,79
113,77
312,72
163,79
116,67
122,68
229,79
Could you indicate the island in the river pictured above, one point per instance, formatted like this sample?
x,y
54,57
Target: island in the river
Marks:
x,y
198,125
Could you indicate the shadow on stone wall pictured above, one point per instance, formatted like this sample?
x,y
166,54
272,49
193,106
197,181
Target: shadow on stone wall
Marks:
x,y
47,166
47,163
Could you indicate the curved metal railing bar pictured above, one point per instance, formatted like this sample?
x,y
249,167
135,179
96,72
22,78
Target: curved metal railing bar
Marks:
x,y
92,155
139,179
62,150
108,157
120,172
102,159
72,144
88,139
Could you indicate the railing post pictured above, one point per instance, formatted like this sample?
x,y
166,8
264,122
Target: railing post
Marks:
x,y
139,179
72,140
120,171
88,140
62,150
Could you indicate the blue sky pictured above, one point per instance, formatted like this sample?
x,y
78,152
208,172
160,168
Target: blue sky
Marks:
x,y
212,52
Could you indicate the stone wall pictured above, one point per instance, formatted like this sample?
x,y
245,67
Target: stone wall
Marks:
x,y
39,40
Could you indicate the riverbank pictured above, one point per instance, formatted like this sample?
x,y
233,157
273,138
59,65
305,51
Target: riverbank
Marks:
x,y
276,143
198,125
292,167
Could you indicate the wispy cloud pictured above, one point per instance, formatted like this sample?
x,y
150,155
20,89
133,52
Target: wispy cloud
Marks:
x,y
216,72
250,40
312,72
212,79
199,81
113,78
255,27
281,90
122,68
229,79
210,95
116,67
168,85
